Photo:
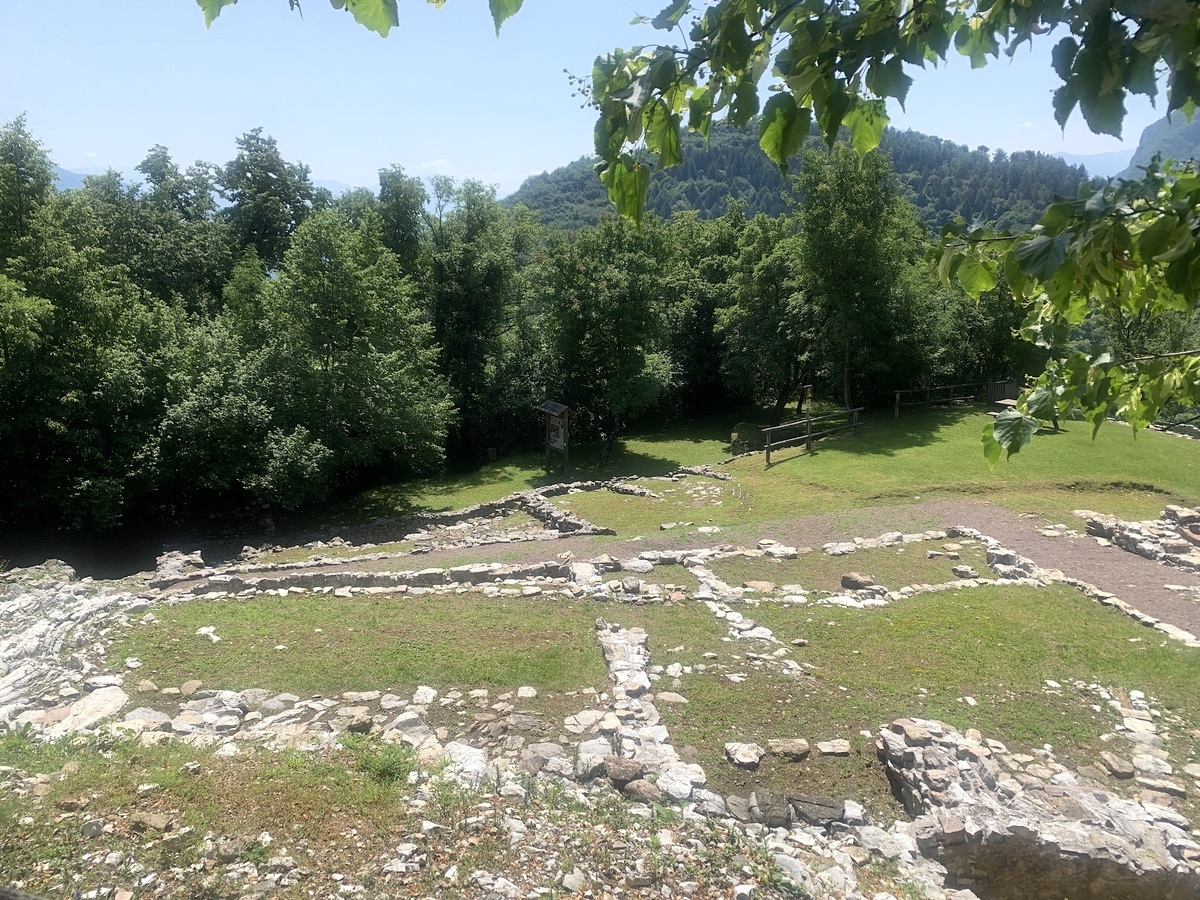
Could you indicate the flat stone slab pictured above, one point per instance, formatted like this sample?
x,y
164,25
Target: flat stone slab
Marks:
x,y
745,756
791,749
839,747
102,703
817,810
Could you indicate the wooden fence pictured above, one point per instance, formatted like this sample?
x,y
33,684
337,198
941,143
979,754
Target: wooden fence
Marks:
x,y
851,416
992,391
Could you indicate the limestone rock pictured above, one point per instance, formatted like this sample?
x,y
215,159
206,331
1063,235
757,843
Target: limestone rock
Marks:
x,y
817,810
745,756
1117,766
622,771
857,581
88,711
791,749
838,747
642,791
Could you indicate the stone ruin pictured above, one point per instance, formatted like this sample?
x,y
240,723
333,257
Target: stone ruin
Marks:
x,y
1008,834
1174,538
987,823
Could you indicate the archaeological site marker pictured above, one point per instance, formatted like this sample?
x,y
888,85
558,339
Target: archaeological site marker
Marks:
x,y
558,430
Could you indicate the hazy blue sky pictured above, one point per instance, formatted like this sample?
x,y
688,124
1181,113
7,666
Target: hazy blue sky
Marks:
x,y
104,80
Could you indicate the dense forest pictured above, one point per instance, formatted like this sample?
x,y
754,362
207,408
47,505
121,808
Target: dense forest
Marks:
x,y
943,180
221,342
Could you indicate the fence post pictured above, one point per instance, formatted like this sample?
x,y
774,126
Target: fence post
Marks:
x,y
897,404
808,433
768,433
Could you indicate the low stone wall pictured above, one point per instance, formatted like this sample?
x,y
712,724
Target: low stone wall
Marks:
x,y
1014,829
1173,539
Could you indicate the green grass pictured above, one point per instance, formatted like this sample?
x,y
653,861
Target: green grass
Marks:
x,y
926,455
916,657
675,575
304,554
893,567
384,642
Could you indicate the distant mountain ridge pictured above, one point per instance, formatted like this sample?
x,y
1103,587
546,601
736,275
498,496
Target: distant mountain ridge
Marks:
x,y
1099,165
1175,139
65,180
944,180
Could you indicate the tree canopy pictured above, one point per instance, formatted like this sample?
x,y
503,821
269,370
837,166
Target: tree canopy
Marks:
x,y
1114,253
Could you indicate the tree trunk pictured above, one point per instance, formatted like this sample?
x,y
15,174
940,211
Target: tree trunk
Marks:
x,y
780,405
609,440
846,375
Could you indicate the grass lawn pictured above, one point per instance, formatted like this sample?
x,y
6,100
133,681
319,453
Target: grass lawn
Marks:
x,y
304,554
383,642
925,455
916,657
893,567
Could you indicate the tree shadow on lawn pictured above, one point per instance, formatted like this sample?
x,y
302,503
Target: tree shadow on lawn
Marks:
x,y
879,434
516,473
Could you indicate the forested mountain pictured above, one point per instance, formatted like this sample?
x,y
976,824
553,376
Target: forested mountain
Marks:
x,y
1175,138
941,178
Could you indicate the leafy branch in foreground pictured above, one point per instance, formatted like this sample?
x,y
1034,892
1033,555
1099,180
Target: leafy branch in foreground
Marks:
x,y
1119,254
380,16
1124,252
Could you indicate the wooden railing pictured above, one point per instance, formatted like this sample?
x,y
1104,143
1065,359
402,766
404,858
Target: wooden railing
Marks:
x,y
993,391
851,416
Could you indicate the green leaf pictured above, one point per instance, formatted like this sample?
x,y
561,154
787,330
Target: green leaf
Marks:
x,y
212,9
976,41
888,80
1041,403
1104,113
1158,237
831,102
745,103
1014,430
379,16
1063,56
866,122
627,181
977,275
1056,217
662,135
1040,256
503,10
991,446
1065,100
1140,76
669,17
783,128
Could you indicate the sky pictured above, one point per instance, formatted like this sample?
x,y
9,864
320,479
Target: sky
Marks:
x,y
103,81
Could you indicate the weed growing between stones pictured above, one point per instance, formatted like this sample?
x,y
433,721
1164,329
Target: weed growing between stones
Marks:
x,y
385,764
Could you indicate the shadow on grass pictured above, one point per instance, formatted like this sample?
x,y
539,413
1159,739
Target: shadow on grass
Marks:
x,y
516,473
880,434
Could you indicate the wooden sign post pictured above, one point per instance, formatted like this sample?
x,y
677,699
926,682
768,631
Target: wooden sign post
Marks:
x,y
558,430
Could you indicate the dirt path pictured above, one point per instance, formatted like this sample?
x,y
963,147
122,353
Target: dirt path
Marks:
x,y
1137,581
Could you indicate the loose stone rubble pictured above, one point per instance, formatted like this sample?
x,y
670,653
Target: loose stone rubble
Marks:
x,y
1029,828
978,807
1174,538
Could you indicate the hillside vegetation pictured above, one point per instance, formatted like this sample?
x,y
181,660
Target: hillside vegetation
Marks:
x,y
942,179
1171,137
165,358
